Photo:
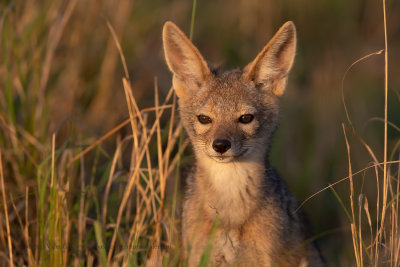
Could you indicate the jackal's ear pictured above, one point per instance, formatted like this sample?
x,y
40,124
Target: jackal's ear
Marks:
x,y
272,65
184,60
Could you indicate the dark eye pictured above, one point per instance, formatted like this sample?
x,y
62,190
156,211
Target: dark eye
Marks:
x,y
203,119
246,118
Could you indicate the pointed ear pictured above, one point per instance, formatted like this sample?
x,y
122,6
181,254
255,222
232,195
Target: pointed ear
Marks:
x,y
272,65
184,60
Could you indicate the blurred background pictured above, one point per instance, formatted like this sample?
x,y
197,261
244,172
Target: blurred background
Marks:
x,y
60,71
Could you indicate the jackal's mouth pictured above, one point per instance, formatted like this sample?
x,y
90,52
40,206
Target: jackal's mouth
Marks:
x,y
223,159
226,158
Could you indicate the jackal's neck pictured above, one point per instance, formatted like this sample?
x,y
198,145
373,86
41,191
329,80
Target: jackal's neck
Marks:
x,y
232,190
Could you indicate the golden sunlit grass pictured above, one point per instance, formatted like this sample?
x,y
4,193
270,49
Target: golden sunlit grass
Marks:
x,y
377,242
381,245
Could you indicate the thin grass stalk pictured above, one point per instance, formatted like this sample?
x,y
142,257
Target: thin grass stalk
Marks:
x,y
38,240
397,233
343,79
63,220
175,163
360,242
135,145
132,119
64,226
118,45
138,227
343,180
386,94
192,19
392,236
108,186
145,146
110,133
353,224
31,259
367,213
100,244
129,96
52,211
81,215
3,236
133,177
166,161
3,190
55,236
385,176
170,132
151,184
363,142
355,246
160,176
176,135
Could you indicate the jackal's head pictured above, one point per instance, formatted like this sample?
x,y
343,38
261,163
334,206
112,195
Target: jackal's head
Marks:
x,y
230,115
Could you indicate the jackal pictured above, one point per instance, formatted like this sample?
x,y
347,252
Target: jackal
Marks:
x,y
236,207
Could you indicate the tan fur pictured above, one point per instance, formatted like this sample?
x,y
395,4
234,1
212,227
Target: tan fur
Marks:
x,y
235,201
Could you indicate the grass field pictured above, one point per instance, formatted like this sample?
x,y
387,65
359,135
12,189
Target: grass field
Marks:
x,y
93,157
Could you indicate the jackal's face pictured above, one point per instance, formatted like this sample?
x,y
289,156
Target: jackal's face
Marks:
x,y
229,115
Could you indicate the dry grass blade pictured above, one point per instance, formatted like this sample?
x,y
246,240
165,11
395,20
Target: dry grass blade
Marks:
x,y
344,179
344,77
81,215
53,144
360,241
177,156
170,142
366,210
161,176
159,143
353,225
31,259
385,176
110,133
389,123
108,186
354,236
392,236
134,175
397,233
3,191
118,45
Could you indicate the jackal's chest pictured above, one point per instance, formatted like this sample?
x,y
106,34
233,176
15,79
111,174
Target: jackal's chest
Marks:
x,y
232,192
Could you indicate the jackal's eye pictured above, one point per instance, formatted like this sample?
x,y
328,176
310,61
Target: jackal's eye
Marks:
x,y
246,118
203,119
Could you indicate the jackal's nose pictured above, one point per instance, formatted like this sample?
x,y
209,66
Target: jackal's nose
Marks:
x,y
221,145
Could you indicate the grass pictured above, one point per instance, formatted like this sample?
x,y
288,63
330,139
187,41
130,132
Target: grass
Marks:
x,y
90,177
383,245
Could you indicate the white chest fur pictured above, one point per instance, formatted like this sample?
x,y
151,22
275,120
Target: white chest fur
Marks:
x,y
232,189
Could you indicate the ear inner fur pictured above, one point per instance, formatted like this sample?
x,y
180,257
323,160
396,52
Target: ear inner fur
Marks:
x,y
183,59
274,62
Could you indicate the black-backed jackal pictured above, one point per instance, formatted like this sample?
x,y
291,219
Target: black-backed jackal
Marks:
x,y
230,117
